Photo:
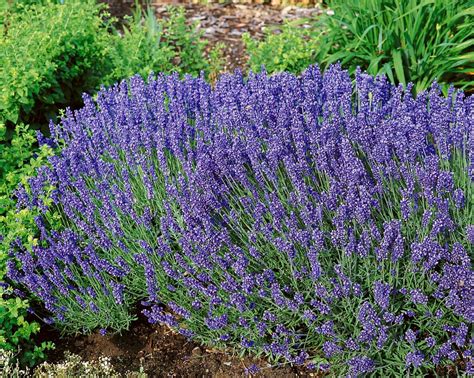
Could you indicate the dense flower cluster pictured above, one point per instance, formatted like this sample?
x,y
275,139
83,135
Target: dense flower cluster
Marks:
x,y
312,219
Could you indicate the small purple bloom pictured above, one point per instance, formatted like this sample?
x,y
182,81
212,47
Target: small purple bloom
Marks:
x,y
410,336
417,297
414,358
252,369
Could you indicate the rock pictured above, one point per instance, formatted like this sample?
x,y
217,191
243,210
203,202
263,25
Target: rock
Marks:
x,y
286,10
196,352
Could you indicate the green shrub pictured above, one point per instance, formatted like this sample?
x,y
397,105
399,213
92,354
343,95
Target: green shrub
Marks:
x,y
140,49
292,50
49,54
16,332
186,43
148,44
410,41
19,158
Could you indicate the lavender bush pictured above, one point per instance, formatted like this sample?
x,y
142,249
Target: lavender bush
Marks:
x,y
308,219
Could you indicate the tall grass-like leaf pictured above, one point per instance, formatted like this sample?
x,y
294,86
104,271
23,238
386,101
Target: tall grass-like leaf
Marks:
x,y
419,41
398,65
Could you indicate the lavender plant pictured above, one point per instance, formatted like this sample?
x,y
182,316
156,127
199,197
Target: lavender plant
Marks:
x,y
309,219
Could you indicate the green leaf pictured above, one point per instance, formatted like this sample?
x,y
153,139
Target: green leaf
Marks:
x,y
398,66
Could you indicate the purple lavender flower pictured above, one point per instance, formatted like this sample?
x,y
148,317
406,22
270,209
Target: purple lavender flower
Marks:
x,y
417,297
330,348
459,199
470,233
252,369
360,365
382,294
415,358
217,322
410,336
430,341
263,209
246,343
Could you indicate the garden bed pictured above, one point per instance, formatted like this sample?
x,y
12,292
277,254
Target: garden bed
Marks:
x,y
292,220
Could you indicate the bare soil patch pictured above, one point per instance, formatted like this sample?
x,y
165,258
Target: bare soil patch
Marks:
x,y
163,353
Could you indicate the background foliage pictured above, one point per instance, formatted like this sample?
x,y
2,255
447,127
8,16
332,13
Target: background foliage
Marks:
x,y
49,55
409,41
289,48
147,44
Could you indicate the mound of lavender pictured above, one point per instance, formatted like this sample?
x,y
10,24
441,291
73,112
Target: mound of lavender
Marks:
x,y
311,219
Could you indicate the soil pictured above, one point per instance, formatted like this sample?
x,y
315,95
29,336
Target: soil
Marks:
x,y
163,353
120,8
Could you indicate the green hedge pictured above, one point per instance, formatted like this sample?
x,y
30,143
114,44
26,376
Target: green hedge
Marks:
x,y
50,53
288,48
147,44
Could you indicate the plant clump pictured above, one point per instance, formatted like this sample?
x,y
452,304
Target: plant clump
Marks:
x,y
311,219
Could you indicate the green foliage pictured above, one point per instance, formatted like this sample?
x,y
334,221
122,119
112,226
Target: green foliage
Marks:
x,y
14,155
148,44
16,332
216,61
18,160
293,49
409,41
186,43
139,50
49,55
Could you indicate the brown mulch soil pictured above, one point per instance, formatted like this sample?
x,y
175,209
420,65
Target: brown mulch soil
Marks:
x,y
163,353
120,8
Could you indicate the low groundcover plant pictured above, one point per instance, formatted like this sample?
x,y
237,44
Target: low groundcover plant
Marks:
x,y
312,219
